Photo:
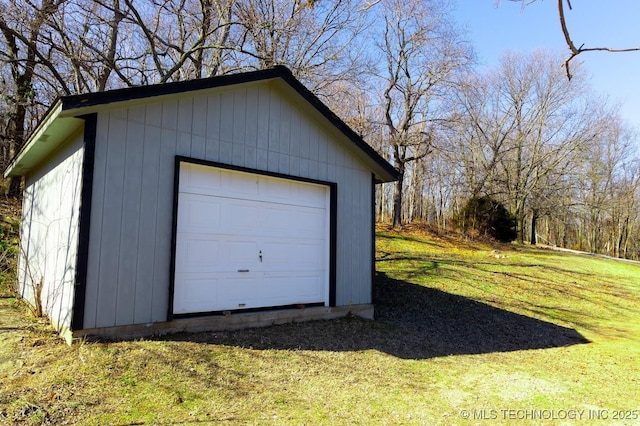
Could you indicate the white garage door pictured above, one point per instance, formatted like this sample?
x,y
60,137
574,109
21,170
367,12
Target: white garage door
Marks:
x,y
249,241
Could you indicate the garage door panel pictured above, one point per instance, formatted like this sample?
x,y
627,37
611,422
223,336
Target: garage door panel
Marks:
x,y
290,222
240,185
196,294
277,255
300,255
303,226
310,286
276,220
292,193
289,289
197,253
227,220
199,214
240,254
240,218
307,255
199,179
275,190
239,291
310,196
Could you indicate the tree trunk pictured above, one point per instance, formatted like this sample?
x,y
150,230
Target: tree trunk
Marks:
x,y
397,197
15,133
534,220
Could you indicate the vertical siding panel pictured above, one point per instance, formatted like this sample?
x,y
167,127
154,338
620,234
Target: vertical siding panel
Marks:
x,y
251,120
343,293
331,172
97,216
283,164
164,215
212,148
199,116
226,128
169,115
226,116
294,165
26,227
153,114
262,158
237,154
322,171
263,118
251,129
366,248
226,152
147,227
323,143
185,120
184,144
185,115
251,157
112,220
323,147
294,135
304,167
239,122
125,305
350,230
137,114
274,123
294,145
273,161
239,125
303,139
314,168
198,146
285,128
332,153
361,266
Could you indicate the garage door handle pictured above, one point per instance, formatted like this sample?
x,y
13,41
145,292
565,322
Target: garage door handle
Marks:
x,y
243,270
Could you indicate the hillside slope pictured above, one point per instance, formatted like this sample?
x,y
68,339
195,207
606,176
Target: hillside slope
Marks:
x,y
464,332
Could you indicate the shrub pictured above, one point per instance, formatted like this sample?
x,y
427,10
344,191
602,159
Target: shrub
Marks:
x,y
485,216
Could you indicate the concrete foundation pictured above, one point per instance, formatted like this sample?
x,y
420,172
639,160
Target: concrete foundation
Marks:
x,y
234,321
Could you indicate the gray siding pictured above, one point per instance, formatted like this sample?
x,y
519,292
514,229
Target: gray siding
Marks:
x,y
252,126
49,233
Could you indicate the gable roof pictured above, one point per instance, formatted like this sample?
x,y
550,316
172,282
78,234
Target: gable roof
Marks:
x,y
65,116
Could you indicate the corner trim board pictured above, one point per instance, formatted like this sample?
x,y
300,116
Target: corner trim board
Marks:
x,y
84,221
333,242
373,236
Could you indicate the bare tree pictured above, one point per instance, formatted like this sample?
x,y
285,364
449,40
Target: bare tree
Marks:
x,y
315,39
179,40
421,53
524,131
21,25
575,50
606,190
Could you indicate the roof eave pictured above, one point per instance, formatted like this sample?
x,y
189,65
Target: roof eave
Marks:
x,y
56,124
46,137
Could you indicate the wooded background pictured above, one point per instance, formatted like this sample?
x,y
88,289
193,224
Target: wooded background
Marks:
x,y
555,153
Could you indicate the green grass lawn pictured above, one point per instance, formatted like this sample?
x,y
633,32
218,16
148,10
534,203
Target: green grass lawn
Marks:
x,y
464,332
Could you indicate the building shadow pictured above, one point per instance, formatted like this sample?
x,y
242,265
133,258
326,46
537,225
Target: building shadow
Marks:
x,y
412,322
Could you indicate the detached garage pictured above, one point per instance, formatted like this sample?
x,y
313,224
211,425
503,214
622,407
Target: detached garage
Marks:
x,y
218,203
